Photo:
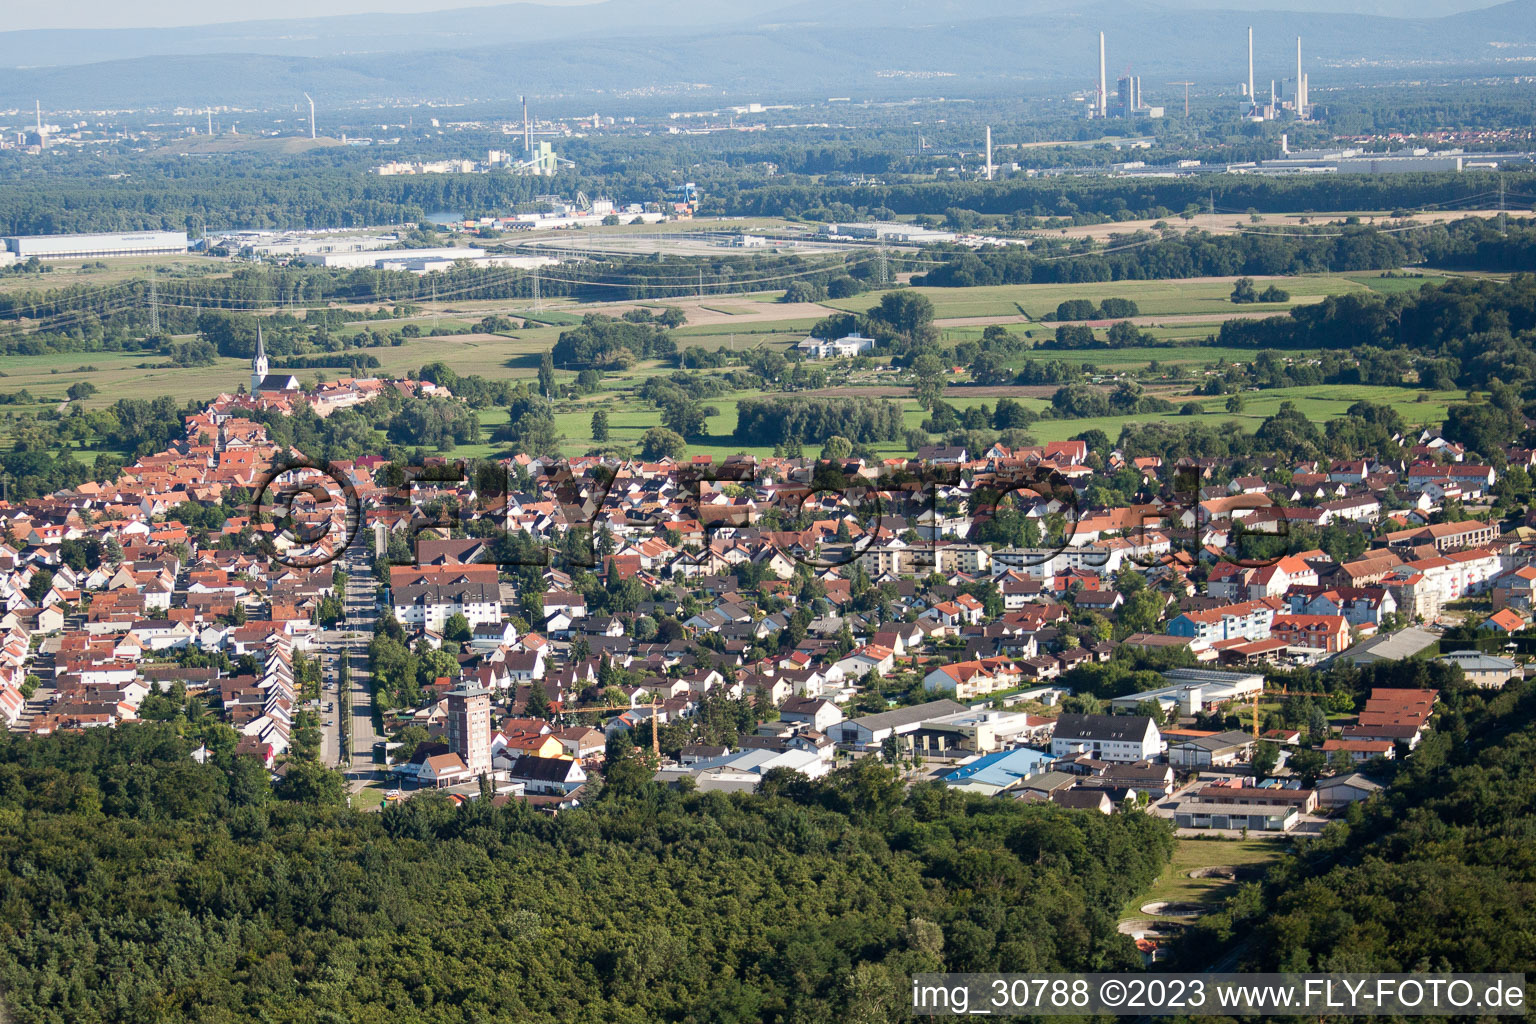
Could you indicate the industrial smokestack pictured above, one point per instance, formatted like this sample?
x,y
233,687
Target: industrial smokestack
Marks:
x,y
1298,76
1301,83
40,113
989,152
311,115
1103,104
1251,97
527,135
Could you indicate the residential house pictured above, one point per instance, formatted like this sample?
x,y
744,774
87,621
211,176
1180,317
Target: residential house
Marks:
x,y
548,776
1107,737
1321,632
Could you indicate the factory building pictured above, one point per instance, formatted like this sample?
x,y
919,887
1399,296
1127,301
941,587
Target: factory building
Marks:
x,y
1355,161
1129,94
75,247
422,261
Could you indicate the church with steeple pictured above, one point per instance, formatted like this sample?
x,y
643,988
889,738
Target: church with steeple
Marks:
x,y
263,381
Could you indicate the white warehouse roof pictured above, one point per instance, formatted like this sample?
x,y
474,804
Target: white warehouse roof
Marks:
x,y
115,243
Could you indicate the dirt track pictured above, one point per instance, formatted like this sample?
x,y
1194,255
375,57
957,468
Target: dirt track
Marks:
x,y
973,390
1164,320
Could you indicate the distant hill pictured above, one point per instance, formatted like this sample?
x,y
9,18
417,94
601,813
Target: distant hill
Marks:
x,y
766,50
504,24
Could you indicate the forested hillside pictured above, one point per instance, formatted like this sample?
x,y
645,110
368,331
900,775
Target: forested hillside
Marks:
x,y
137,885
1438,875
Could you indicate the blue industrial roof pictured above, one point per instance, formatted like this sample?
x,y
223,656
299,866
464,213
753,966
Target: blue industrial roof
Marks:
x,y
1001,769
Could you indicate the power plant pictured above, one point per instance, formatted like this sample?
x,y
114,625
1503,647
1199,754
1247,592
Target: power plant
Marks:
x,y
1128,92
1254,110
1128,100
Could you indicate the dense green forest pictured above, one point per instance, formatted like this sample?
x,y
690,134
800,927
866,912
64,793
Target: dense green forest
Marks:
x,y
1132,198
1436,876
1466,332
138,885
314,191
1472,243
773,420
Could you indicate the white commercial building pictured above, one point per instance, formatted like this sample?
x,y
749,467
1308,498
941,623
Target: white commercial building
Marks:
x,y
74,247
820,348
420,260
1194,690
1107,737
429,605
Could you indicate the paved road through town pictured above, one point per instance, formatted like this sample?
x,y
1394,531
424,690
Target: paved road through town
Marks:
x,y
348,642
362,614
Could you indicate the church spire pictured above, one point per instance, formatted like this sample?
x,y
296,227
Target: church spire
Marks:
x,y
258,363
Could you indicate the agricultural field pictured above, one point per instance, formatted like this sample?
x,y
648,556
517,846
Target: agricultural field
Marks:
x,y
1318,403
1182,313
114,270
630,418
1200,297
147,375
1396,285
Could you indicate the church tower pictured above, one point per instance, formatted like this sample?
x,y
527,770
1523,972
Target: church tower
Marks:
x,y
258,364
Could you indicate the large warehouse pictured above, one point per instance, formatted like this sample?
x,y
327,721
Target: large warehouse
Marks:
x,y
75,247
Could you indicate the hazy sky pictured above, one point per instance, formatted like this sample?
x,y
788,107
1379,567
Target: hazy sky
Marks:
x,y
25,14
29,14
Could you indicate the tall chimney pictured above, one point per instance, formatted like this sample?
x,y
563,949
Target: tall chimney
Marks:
x,y
1252,99
1103,104
1301,97
40,113
989,152
527,135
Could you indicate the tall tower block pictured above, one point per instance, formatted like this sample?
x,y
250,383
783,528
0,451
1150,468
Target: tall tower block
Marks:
x,y
469,728
1102,108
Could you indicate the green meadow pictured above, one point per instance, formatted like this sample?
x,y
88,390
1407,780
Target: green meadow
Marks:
x,y
1194,310
1189,298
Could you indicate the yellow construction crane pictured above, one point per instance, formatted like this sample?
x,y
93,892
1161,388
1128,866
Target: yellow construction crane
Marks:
x,y
1186,86
654,705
